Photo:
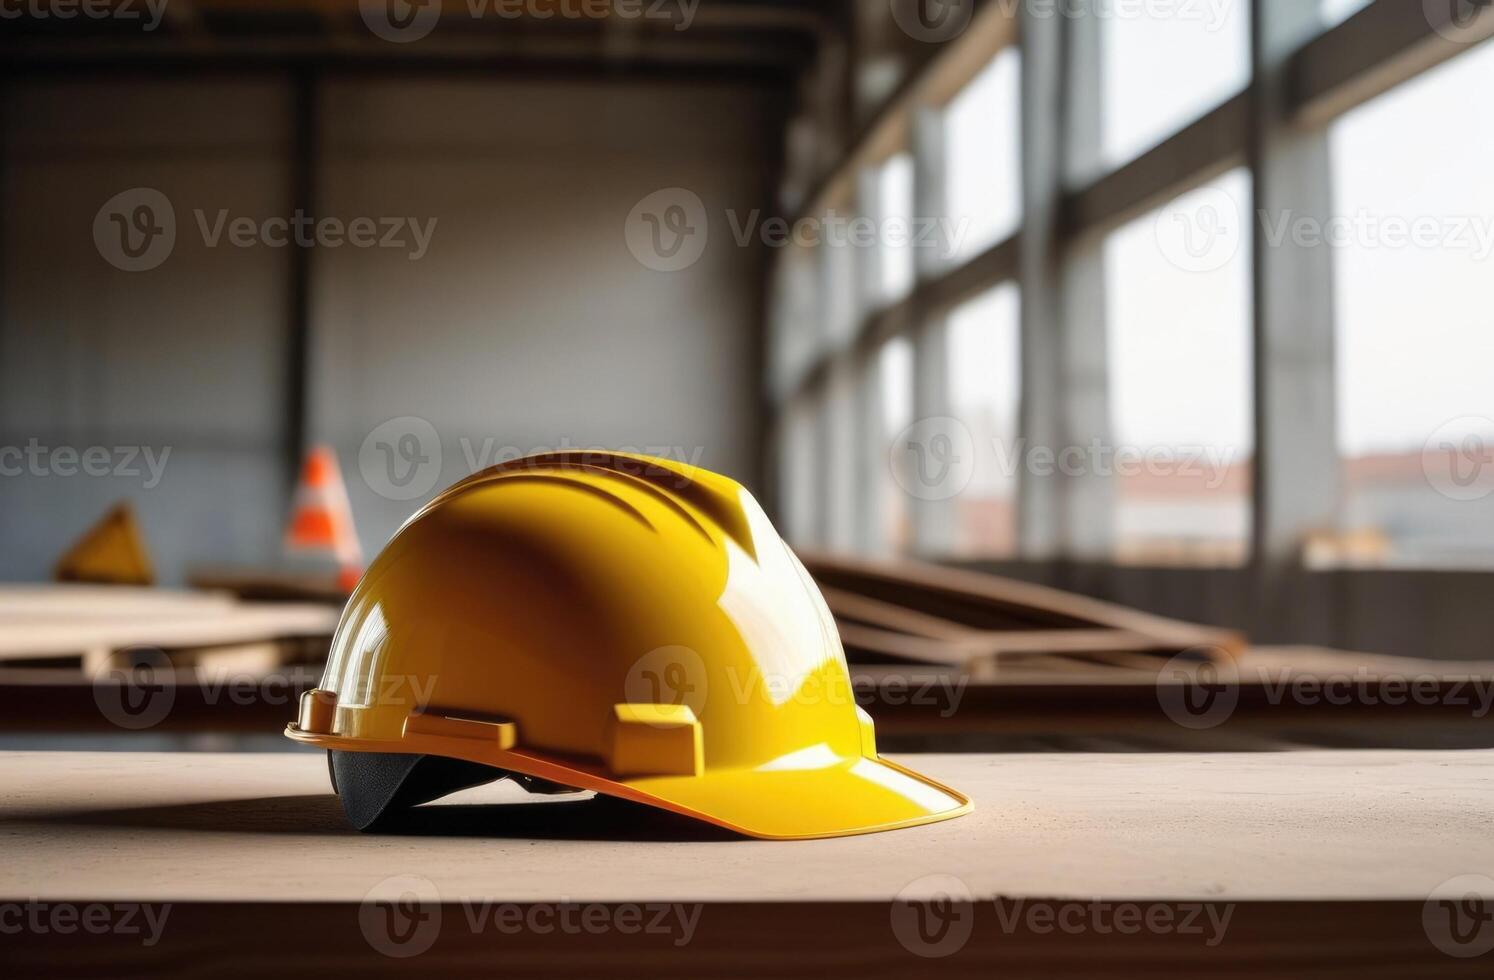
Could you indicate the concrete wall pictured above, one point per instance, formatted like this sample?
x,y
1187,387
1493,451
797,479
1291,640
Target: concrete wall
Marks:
x,y
184,359
526,323
529,324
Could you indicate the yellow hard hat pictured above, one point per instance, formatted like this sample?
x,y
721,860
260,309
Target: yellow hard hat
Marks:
x,y
609,622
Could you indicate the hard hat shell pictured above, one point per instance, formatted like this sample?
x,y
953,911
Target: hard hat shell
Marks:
x,y
619,623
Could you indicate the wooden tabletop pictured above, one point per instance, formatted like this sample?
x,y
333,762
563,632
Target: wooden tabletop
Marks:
x,y
1315,864
1281,826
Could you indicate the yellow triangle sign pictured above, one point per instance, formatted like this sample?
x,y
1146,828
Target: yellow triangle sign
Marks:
x,y
112,552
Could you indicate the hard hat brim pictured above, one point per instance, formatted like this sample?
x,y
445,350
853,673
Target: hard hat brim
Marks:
x,y
800,797
846,797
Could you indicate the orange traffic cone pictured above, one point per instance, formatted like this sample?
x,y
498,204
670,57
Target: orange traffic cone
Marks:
x,y
322,518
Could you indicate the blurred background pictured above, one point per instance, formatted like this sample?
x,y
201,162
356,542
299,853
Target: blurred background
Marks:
x,y
1178,305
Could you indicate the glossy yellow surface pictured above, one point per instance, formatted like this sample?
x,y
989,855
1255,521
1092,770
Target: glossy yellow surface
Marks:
x,y
576,600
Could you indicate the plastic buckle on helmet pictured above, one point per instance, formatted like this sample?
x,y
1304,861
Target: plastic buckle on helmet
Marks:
x,y
501,732
318,709
654,740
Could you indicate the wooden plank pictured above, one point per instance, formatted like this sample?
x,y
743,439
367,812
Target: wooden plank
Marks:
x,y
268,584
923,586
983,650
235,626
95,623
1339,939
265,827
927,705
73,601
875,612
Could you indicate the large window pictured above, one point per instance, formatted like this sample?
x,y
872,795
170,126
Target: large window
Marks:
x,y
1164,65
1374,342
1413,239
796,319
890,255
839,311
843,485
984,385
982,159
893,381
1178,310
1337,11
798,471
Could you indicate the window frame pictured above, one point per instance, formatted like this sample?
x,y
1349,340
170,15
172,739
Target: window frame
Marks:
x,y
1304,75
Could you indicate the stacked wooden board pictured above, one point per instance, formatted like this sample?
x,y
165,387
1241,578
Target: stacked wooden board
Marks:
x,y
95,627
914,612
